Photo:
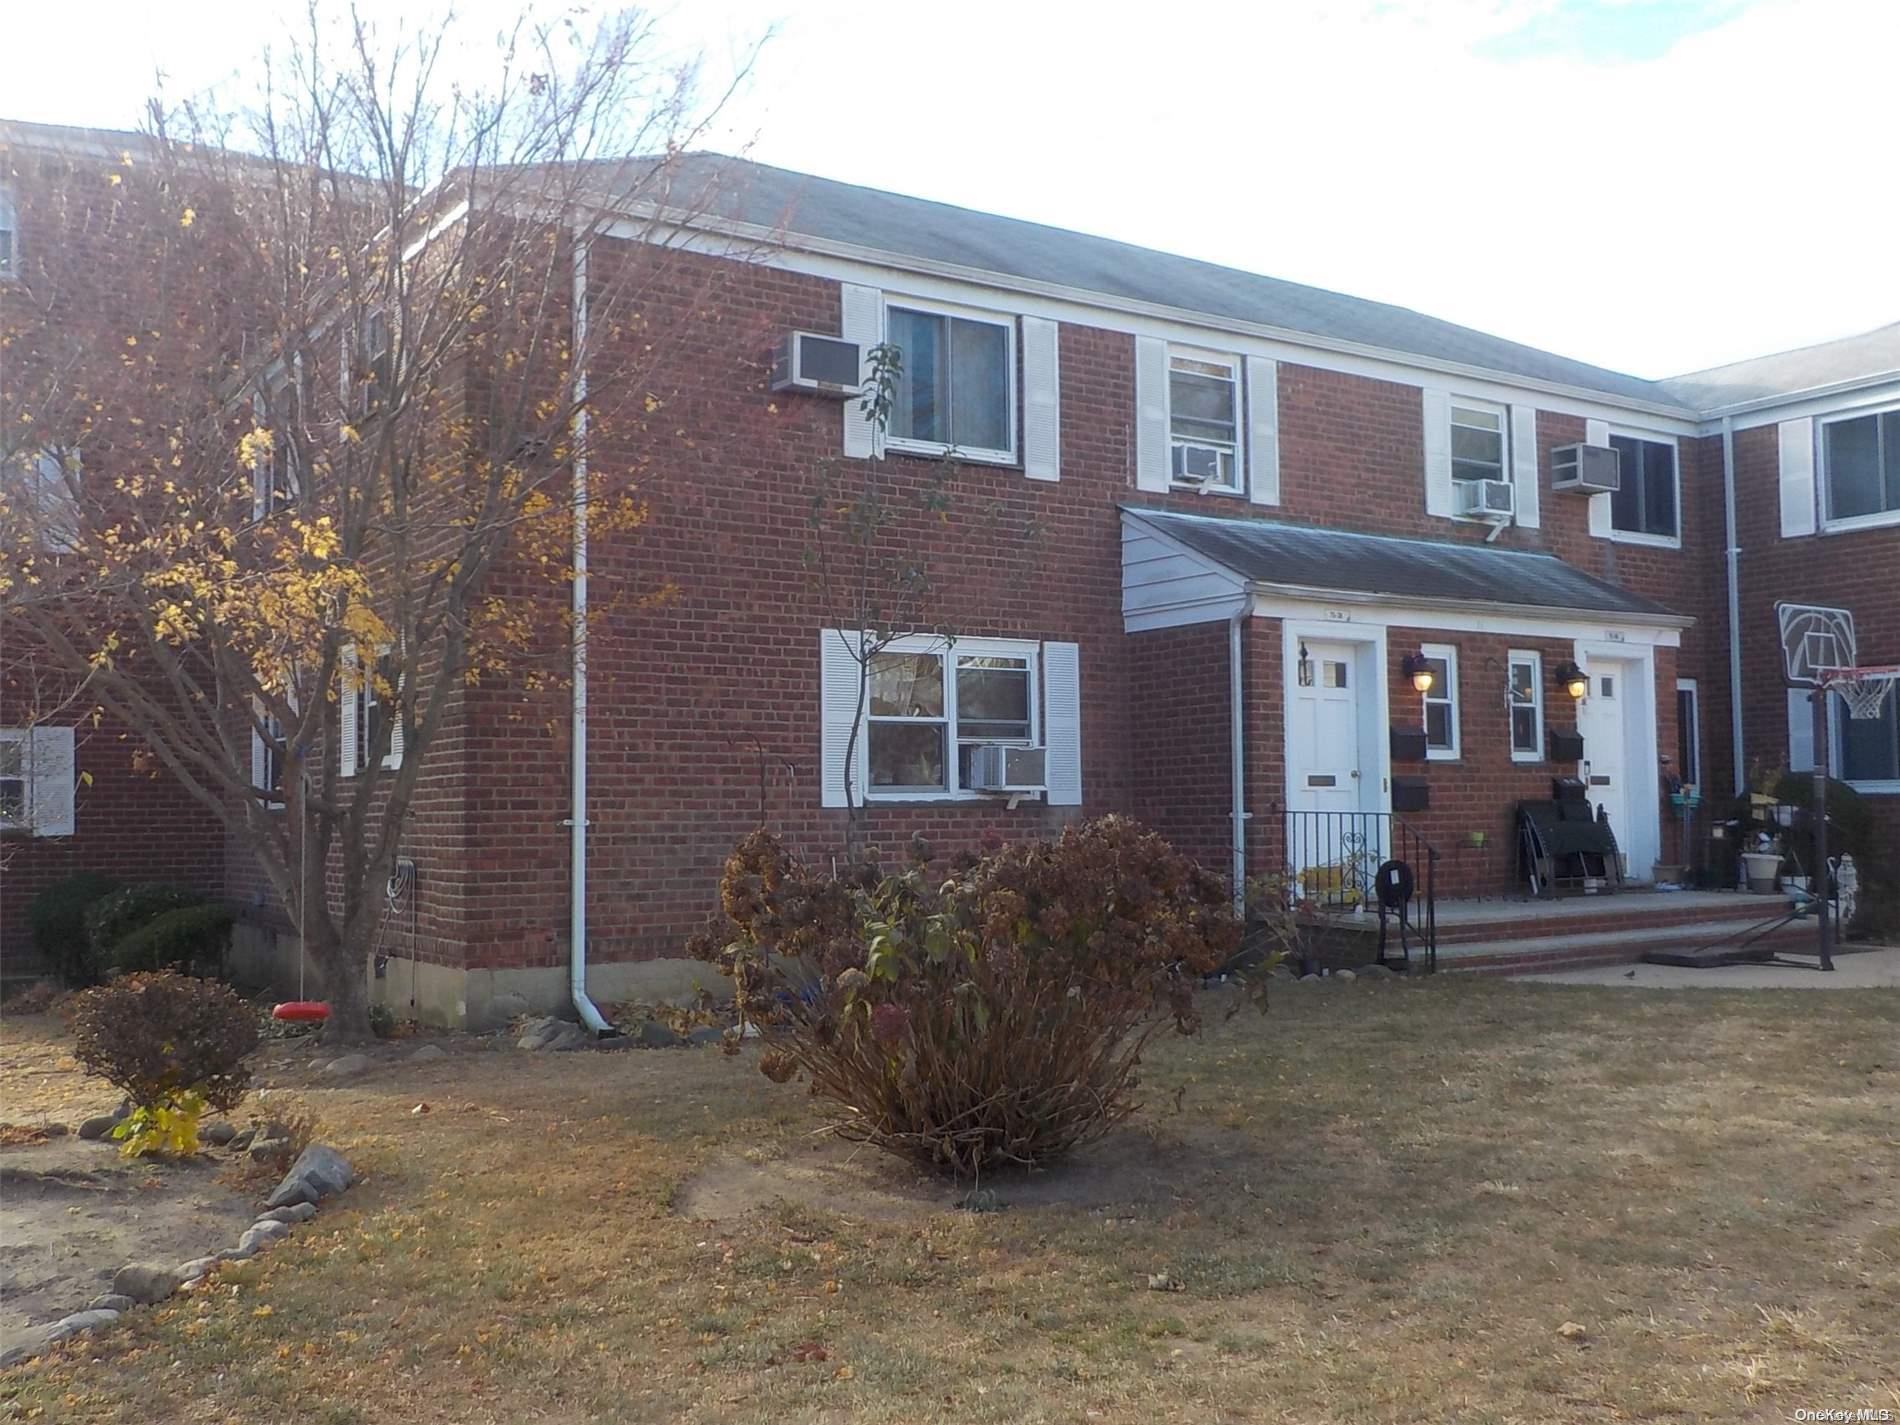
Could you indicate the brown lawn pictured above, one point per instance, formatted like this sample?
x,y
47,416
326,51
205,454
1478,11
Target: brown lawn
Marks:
x,y
1379,1203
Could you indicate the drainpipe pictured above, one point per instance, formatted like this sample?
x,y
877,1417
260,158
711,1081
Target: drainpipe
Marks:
x,y
590,1015
1734,555
1238,752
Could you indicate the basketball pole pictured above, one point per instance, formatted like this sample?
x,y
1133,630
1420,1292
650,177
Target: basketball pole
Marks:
x,y
1819,880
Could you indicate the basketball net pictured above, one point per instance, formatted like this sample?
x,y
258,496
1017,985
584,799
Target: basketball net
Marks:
x,y
1864,690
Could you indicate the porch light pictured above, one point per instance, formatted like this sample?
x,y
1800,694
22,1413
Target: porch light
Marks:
x,y
1570,678
1305,667
1415,667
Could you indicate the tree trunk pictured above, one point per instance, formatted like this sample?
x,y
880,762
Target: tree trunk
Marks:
x,y
345,975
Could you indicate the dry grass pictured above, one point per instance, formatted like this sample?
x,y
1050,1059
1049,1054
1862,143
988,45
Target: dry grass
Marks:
x,y
1389,1199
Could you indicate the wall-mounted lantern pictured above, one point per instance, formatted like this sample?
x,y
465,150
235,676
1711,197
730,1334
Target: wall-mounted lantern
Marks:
x,y
1305,667
1571,679
1418,668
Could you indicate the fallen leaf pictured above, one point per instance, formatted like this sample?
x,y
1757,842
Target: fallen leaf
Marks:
x,y
1572,1331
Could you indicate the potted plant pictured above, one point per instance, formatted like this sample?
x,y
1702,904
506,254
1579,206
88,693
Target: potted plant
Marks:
x,y
1762,866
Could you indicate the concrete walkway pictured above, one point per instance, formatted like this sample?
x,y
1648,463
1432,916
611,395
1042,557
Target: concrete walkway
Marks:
x,y
1857,970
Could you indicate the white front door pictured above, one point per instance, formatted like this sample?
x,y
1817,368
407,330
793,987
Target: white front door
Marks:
x,y
1323,731
1603,719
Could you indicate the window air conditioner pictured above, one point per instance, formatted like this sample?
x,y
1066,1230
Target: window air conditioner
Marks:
x,y
1486,499
1592,469
817,365
1197,464
996,768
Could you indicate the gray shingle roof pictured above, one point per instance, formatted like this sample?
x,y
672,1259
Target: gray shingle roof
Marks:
x,y
1808,368
796,203
1300,556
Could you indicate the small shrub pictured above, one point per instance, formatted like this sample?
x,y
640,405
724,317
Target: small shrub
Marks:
x,y
382,1021
57,919
994,1018
36,998
174,1045
111,918
176,939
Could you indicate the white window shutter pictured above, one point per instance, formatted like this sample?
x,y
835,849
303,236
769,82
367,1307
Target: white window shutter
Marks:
x,y
346,714
861,317
1439,498
51,774
1524,463
260,469
1151,413
396,739
1062,722
840,694
1042,400
1598,433
1263,430
1797,478
1800,730
260,767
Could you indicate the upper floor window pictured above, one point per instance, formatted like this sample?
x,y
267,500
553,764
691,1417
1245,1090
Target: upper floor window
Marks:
x,y
276,471
14,774
1860,460
1645,500
957,387
9,234
38,487
1204,421
1477,441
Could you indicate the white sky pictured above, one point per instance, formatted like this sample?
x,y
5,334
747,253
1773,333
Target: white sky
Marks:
x,y
1653,185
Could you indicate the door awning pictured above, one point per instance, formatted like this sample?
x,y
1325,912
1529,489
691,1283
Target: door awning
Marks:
x,y
1302,560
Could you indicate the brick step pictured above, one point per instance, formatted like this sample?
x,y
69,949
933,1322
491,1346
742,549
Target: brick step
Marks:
x,y
1618,947
1595,922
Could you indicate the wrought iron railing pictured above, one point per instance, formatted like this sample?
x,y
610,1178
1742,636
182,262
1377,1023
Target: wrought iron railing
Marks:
x,y
1370,861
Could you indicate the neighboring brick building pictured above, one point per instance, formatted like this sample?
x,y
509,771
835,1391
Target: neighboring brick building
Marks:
x,y
1157,462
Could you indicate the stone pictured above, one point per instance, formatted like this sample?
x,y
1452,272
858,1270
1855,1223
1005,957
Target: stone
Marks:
x,y
98,1126
55,1130
218,1133
706,1034
428,1054
68,1326
1344,975
111,1301
652,1034
198,1268
296,1212
553,1035
319,1171
347,1067
1573,1331
145,1283
261,1233
1308,979
264,1150
242,1141
1376,972
24,1350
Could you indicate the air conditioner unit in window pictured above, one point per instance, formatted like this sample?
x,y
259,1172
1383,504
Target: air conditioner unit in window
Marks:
x,y
996,768
1197,464
817,365
1486,499
1593,469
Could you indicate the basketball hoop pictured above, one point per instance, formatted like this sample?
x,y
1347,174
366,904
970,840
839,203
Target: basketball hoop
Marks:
x,y
1863,690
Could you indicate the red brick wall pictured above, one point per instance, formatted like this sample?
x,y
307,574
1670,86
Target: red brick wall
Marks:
x,y
1181,740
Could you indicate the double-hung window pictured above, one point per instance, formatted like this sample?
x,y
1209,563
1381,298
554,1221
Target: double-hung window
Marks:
x,y
956,387
1645,501
367,704
1441,702
1525,692
929,710
1860,462
1688,733
1477,441
1204,420
15,801
1869,754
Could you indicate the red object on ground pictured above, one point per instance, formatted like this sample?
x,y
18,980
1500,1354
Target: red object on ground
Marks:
x,y
302,1010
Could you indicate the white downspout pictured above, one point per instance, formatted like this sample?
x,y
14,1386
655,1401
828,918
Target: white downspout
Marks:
x,y
1238,753
590,1015
1734,555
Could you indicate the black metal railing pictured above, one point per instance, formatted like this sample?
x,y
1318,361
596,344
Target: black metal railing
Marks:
x,y
1364,861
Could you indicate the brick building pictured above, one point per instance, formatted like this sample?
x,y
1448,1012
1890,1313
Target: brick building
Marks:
x,y
1191,532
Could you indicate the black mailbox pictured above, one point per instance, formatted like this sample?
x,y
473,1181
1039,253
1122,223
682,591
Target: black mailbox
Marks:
x,y
1566,746
1411,794
1408,744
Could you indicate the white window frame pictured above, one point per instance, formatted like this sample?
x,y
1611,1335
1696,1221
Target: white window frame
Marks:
x,y
1236,366
1011,386
362,688
950,650
1878,520
262,754
1490,408
1535,660
1631,536
1837,715
9,225
1691,776
23,739
1447,695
